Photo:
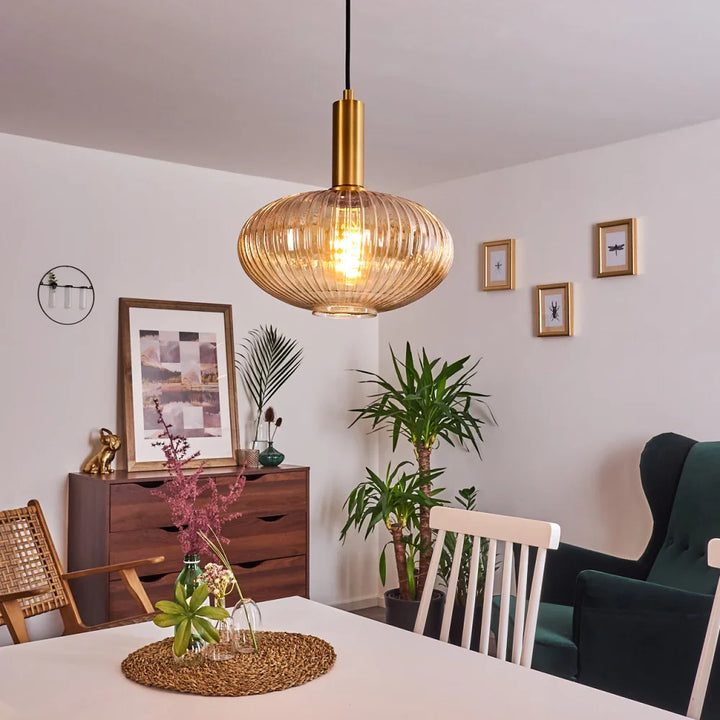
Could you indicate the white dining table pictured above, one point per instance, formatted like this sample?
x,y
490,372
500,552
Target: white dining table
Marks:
x,y
381,672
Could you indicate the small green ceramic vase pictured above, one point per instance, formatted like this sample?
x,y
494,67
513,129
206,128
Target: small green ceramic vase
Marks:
x,y
270,456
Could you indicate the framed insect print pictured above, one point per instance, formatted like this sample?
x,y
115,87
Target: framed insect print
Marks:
x,y
554,310
498,265
616,248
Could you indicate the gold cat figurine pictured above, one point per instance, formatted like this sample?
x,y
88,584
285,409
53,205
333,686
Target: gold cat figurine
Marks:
x,y
101,461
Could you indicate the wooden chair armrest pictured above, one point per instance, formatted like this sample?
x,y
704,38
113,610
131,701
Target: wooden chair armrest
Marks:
x,y
116,567
22,594
12,613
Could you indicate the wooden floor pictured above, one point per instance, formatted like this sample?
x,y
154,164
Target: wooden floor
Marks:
x,y
374,613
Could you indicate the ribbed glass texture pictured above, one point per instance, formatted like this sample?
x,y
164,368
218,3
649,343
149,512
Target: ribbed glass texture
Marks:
x,y
345,251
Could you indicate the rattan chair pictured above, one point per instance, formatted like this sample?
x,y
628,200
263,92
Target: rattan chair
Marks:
x,y
32,580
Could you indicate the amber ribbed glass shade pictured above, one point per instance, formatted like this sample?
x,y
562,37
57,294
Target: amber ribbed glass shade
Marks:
x,y
345,251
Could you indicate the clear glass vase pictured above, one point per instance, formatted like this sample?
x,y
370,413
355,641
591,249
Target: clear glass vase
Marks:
x,y
223,649
246,621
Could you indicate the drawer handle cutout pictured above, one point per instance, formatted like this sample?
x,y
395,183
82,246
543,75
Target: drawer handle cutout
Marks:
x,y
169,529
151,578
250,565
150,483
271,518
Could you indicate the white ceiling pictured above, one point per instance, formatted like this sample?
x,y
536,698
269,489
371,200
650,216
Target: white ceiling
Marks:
x,y
452,87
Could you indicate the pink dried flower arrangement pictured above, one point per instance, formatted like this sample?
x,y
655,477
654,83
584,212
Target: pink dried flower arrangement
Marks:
x,y
195,502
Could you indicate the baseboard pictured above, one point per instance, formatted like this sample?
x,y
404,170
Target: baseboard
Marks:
x,y
361,604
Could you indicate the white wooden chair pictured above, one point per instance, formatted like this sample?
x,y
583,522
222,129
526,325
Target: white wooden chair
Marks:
x,y
697,698
495,528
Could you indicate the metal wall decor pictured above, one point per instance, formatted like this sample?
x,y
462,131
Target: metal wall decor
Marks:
x,y
66,295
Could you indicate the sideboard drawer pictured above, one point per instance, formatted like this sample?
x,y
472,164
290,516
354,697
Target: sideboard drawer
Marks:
x,y
265,580
133,505
250,539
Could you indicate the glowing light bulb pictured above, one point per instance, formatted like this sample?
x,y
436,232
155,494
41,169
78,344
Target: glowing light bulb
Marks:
x,y
348,244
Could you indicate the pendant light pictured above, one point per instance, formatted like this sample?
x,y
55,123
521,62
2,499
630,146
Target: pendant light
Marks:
x,y
346,251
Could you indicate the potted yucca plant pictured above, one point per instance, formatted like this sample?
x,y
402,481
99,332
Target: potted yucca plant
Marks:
x,y
426,402
393,500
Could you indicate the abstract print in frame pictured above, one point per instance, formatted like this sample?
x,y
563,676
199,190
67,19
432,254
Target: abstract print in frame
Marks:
x,y
182,354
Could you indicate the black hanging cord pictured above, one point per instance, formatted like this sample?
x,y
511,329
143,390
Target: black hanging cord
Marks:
x,y
347,44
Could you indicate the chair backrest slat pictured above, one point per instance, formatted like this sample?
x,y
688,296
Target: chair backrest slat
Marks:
x,y
697,698
472,591
519,630
488,529
452,588
504,619
533,607
488,593
426,596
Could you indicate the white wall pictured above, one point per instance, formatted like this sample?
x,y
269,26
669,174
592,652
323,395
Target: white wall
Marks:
x,y
147,229
574,413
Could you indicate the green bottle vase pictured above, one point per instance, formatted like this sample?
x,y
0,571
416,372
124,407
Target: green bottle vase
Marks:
x,y
189,578
270,456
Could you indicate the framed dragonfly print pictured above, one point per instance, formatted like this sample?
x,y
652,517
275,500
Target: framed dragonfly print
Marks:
x,y
616,248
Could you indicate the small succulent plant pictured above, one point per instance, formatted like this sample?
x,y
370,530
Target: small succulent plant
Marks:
x,y
190,615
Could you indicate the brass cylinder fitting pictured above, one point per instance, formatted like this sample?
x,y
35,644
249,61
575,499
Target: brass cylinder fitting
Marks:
x,y
348,141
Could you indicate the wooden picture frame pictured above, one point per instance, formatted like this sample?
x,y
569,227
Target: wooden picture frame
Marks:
x,y
616,248
182,353
555,310
498,265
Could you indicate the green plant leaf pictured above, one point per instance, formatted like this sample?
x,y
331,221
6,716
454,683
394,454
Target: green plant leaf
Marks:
x,y
199,596
383,566
168,606
205,630
182,638
214,613
168,620
180,595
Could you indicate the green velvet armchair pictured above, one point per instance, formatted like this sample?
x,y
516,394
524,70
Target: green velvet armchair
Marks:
x,y
636,627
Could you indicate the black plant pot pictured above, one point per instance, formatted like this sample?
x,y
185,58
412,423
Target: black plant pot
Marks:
x,y
402,613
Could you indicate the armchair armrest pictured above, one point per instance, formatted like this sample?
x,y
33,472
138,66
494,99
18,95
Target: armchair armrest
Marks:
x,y
639,639
12,613
565,564
116,567
22,594
128,574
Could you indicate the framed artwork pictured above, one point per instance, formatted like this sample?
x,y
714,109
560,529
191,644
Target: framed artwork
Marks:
x,y
616,248
498,271
182,354
554,310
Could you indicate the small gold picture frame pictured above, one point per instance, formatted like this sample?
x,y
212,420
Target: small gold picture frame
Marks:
x,y
555,310
498,270
616,248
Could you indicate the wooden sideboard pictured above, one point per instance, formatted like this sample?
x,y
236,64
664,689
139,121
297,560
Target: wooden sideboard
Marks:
x,y
115,517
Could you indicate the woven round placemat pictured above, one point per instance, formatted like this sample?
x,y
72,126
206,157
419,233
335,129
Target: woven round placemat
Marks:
x,y
283,660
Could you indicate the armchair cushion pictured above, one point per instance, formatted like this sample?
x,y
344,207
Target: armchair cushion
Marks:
x,y
682,560
554,652
639,639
